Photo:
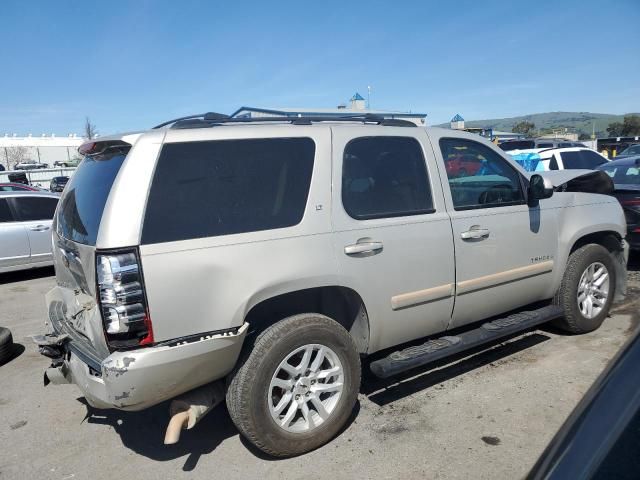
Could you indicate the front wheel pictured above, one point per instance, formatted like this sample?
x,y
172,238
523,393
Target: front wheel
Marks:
x,y
296,387
587,289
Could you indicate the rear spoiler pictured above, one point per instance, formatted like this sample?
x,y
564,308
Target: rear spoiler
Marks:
x,y
93,148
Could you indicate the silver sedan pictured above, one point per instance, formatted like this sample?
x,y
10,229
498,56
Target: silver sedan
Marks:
x,y
25,229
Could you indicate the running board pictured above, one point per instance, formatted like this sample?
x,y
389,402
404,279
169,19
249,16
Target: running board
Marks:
x,y
433,350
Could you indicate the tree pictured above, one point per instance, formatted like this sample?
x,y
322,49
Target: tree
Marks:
x,y
14,155
524,127
615,129
631,126
584,136
90,131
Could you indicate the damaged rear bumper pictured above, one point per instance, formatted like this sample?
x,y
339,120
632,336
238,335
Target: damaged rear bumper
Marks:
x,y
138,379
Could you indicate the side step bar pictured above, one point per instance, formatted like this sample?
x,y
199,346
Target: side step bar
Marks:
x,y
433,350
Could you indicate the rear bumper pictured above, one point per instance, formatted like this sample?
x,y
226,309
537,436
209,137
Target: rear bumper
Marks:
x,y
138,379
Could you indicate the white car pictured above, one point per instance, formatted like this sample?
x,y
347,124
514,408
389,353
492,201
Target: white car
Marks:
x,y
25,229
571,158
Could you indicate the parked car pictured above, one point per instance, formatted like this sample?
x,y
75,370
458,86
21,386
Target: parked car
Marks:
x,y
527,144
600,438
18,177
58,183
71,162
2,169
574,158
285,253
17,187
630,151
25,229
626,179
459,165
30,165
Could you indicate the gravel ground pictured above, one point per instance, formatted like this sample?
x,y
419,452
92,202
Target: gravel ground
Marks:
x,y
488,415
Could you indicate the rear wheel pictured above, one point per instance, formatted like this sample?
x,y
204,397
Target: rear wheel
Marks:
x,y
587,289
295,389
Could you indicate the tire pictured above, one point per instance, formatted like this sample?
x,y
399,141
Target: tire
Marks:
x,y
575,320
6,345
252,398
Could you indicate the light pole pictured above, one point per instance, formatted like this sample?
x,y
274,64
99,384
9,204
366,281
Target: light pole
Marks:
x,y
369,97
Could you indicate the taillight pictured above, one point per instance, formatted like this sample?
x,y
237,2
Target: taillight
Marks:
x,y
121,295
635,202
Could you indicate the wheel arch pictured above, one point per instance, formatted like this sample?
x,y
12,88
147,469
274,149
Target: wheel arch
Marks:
x,y
340,303
614,243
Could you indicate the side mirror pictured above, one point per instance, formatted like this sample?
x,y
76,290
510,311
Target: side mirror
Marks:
x,y
539,188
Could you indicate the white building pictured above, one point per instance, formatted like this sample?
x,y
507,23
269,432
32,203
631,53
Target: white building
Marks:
x,y
44,149
357,106
457,122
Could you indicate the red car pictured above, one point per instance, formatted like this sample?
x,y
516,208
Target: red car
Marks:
x,y
462,165
16,187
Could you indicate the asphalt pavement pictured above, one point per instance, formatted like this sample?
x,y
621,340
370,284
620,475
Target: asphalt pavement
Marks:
x,y
485,416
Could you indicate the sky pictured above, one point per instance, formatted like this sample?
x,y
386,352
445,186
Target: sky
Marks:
x,y
129,65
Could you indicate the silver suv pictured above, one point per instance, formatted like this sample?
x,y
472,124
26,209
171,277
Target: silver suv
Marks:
x,y
265,261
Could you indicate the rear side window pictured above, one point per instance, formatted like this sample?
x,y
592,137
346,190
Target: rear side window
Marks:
x,y
222,187
34,208
581,159
385,177
544,145
85,196
516,145
5,211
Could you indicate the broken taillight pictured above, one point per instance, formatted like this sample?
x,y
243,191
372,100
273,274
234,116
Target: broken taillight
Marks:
x,y
121,295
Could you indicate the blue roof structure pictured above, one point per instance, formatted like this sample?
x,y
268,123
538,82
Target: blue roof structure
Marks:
x,y
357,96
457,118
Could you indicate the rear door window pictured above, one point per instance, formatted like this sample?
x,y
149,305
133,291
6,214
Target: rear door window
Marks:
x,y
581,159
34,208
5,211
222,187
591,159
385,177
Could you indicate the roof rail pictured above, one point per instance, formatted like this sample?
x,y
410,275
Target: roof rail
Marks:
x,y
212,119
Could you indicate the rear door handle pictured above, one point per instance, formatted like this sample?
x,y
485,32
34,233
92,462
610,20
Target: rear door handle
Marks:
x,y
39,228
475,233
363,248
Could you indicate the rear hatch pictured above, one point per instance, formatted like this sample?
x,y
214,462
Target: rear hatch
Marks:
x,y
73,307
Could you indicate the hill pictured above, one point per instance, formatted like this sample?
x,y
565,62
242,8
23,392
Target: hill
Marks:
x,y
579,122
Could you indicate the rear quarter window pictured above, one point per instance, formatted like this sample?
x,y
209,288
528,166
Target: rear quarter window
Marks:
x,y
221,187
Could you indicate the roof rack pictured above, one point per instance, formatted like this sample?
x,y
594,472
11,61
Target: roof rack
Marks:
x,y
212,119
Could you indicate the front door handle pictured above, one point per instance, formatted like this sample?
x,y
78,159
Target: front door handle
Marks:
x,y
475,233
39,228
364,248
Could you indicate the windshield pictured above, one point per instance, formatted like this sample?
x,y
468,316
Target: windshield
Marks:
x,y
623,174
82,203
